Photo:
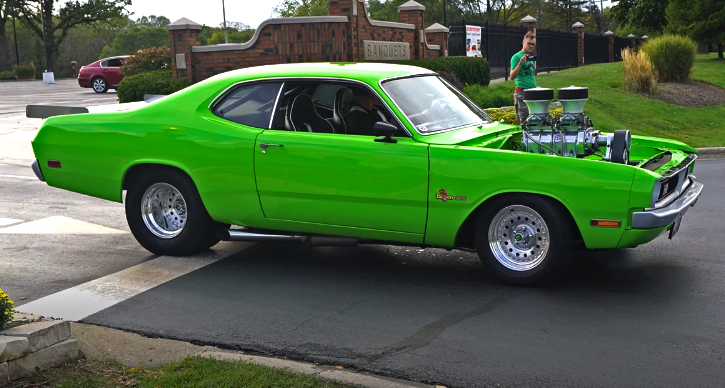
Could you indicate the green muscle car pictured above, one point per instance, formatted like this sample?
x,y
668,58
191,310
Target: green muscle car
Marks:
x,y
355,153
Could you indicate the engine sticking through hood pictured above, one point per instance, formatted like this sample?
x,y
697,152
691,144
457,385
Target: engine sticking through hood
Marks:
x,y
573,134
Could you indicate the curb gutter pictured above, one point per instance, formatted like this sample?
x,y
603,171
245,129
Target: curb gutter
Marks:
x,y
711,153
32,344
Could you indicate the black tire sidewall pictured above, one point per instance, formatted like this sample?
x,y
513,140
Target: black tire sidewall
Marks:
x,y
198,233
560,249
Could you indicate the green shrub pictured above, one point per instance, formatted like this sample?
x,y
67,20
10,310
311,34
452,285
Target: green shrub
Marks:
x,y
639,73
508,115
469,70
150,59
6,309
162,82
7,75
490,96
672,56
24,71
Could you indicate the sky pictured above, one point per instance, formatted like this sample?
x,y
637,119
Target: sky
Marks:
x,y
209,12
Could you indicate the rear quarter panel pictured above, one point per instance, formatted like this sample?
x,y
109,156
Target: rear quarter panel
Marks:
x,y
97,150
588,189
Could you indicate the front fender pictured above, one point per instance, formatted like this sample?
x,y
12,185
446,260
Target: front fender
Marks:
x,y
589,189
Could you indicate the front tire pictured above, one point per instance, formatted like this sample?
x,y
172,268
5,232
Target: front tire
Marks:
x,y
166,215
525,239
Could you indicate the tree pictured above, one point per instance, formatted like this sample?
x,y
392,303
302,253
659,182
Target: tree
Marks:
x,y
152,21
133,39
562,14
6,7
702,20
71,14
645,15
292,8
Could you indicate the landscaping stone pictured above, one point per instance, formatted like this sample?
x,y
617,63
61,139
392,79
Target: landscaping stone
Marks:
x,y
4,375
22,319
13,347
57,354
41,334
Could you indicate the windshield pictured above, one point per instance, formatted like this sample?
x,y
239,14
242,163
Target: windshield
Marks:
x,y
432,105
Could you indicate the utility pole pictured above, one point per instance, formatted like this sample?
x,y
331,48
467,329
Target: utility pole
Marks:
x,y
224,15
445,21
15,34
45,46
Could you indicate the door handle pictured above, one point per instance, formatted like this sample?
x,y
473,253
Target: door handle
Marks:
x,y
265,145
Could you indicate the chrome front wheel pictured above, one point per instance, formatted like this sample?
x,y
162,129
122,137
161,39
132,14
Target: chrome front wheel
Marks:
x,y
518,237
525,238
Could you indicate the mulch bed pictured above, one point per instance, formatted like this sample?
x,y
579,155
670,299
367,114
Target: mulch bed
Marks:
x,y
691,94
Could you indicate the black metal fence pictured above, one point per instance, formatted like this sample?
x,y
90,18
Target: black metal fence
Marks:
x,y
498,43
555,50
596,49
619,45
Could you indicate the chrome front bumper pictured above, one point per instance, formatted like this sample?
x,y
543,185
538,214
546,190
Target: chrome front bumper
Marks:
x,y
655,218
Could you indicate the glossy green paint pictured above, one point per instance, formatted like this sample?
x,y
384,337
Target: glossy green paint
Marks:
x,y
343,185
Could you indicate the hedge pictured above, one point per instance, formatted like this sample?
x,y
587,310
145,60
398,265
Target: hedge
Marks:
x,y
133,88
469,70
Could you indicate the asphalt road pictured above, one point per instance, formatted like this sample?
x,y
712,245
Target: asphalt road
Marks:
x,y
643,317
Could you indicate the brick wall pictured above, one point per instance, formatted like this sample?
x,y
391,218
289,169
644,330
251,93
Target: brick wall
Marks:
x,y
335,38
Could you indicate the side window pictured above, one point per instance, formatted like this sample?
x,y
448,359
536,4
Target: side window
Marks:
x,y
325,94
250,104
104,63
115,62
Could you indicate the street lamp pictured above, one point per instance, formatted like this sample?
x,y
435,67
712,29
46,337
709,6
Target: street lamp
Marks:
x,y
224,15
15,34
45,46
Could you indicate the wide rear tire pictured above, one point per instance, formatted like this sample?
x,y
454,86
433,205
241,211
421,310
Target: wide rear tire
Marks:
x,y
166,215
525,239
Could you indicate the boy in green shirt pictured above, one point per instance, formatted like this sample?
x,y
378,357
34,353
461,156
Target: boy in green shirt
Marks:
x,y
522,71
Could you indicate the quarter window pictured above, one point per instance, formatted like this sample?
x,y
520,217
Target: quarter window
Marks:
x,y
249,105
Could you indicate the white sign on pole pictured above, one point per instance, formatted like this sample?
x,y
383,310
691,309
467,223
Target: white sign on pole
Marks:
x,y
473,41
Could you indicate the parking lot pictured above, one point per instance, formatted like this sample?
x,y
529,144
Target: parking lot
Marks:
x,y
642,317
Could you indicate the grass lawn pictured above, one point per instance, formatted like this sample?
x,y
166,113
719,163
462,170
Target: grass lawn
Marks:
x,y
190,372
611,107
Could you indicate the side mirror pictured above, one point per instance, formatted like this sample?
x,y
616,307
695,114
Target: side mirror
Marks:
x,y
386,130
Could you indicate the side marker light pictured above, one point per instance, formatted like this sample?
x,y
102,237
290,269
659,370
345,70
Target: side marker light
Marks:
x,y
607,223
54,163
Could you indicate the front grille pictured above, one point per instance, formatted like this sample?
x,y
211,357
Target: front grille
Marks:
x,y
668,186
671,183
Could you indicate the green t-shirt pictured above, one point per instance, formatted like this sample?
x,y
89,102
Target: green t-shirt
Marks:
x,y
525,79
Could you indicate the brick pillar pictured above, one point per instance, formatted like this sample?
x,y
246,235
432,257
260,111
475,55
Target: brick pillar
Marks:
x,y
529,23
579,29
610,35
632,42
438,34
412,13
183,35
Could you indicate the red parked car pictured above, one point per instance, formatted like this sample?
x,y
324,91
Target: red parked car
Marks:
x,y
103,74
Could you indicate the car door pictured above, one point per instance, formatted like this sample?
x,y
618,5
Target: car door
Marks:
x,y
326,178
112,72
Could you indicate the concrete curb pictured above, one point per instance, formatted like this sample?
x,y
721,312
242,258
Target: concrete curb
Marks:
x,y
133,350
30,344
321,372
711,153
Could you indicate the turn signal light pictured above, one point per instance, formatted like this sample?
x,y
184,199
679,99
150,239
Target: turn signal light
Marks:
x,y
54,163
607,223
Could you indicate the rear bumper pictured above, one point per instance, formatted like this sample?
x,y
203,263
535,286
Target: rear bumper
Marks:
x,y
650,219
84,81
36,169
